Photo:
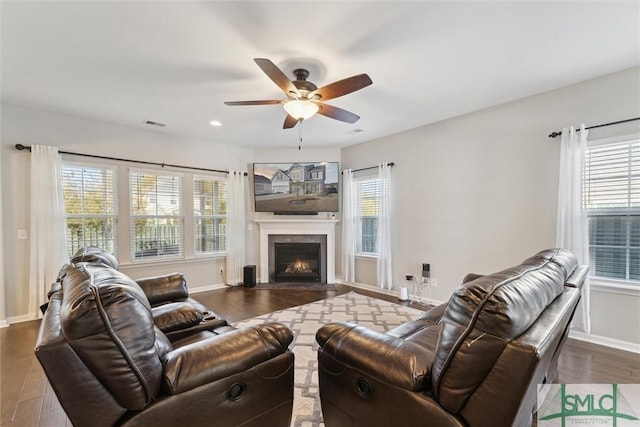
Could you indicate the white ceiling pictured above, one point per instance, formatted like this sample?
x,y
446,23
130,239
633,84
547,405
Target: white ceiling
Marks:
x,y
176,62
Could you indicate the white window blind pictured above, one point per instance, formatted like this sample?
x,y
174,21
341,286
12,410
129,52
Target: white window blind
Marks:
x,y
612,200
366,210
90,206
157,222
210,215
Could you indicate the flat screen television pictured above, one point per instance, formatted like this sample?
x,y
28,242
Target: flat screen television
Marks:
x,y
296,188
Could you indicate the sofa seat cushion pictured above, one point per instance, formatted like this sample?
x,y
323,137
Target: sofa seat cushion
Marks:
x,y
106,319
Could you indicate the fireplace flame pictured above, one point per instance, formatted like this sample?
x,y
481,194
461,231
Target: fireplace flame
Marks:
x,y
299,266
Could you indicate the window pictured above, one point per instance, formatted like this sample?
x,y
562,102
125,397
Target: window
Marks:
x,y
157,222
210,215
90,206
365,213
612,199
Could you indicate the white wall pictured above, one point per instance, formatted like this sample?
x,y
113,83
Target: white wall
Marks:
x,y
3,316
478,193
33,126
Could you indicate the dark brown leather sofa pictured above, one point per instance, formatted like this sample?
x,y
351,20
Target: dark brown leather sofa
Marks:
x,y
127,353
474,361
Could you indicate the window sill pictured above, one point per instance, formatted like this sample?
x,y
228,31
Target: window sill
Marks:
x,y
366,256
173,261
613,286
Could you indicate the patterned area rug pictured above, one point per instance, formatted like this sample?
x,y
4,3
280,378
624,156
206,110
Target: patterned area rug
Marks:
x,y
305,320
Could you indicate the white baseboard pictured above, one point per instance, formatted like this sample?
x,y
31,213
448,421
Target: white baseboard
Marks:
x,y
208,288
392,292
20,319
3,323
606,341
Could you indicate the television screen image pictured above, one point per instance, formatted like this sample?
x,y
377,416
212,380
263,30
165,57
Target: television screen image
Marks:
x,y
296,188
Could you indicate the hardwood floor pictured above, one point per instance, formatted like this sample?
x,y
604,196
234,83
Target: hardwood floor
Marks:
x,y
28,400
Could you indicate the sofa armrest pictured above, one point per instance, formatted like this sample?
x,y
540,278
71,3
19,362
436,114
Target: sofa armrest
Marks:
x,y
218,357
390,359
175,316
471,277
577,278
164,288
433,315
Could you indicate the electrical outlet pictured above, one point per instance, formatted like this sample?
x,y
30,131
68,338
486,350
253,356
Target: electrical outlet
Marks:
x,y
429,281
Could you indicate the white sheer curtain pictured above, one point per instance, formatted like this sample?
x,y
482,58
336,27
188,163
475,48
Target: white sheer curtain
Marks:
x,y
572,224
48,245
385,272
348,249
235,227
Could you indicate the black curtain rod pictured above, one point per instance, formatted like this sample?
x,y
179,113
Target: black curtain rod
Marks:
x,y
556,134
28,148
372,167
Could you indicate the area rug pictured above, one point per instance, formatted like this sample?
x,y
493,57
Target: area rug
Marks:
x,y
305,320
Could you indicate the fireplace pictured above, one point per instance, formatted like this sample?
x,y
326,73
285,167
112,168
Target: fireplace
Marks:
x,y
297,258
297,231
297,262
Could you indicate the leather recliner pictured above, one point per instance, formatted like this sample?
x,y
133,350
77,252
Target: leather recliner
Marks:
x,y
476,360
109,362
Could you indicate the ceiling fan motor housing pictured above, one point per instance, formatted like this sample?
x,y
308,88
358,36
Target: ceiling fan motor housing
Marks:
x,y
301,82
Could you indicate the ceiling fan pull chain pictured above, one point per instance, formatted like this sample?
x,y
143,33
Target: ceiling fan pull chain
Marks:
x,y
300,135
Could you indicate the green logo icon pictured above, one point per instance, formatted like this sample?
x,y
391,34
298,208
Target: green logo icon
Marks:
x,y
586,404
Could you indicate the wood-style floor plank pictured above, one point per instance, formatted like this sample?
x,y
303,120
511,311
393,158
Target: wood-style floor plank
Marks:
x,y
28,400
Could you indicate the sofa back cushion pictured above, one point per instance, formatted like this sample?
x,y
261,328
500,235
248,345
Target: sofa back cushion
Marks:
x,y
95,255
106,319
487,313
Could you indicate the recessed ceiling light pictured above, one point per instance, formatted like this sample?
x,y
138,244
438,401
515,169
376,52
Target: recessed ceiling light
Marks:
x,y
215,123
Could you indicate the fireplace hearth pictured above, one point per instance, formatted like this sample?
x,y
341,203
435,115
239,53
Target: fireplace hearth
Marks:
x,y
297,262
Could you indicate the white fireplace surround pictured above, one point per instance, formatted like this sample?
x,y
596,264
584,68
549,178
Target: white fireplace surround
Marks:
x,y
297,227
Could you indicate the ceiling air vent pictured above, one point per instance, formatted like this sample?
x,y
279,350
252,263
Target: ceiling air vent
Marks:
x,y
152,123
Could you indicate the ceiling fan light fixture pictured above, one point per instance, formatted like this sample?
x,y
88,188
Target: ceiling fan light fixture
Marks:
x,y
301,109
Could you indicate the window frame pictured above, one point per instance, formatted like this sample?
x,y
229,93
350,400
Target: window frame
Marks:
x,y
214,216
114,216
607,284
358,218
180,255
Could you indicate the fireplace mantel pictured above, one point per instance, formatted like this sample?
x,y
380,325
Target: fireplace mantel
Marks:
x,y
325,227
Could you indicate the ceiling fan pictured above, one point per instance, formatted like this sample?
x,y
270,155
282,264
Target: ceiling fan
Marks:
x,y
304,99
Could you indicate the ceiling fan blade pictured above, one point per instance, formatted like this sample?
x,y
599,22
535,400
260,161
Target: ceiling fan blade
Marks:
x,y
266,102
278,77
337,113
289,122
342,87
